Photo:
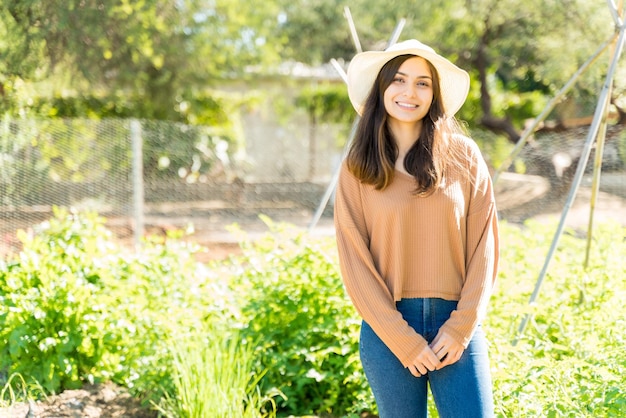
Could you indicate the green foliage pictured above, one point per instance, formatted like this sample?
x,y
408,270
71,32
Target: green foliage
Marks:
x,y
77,151
520,107
57,159
50,328
495,148
328,102
140,58
307,331
16,389
197,151
151,54
20,171
569,361
74,307
213,377
135,44
207,108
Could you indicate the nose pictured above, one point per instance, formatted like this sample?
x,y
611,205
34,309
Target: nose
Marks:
x,y
411,90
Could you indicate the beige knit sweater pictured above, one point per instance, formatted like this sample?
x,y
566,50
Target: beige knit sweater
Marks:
x,y
393,244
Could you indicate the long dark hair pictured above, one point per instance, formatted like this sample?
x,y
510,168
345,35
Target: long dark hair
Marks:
x,y
373,152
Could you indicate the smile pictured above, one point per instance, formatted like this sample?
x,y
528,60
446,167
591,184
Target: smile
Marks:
x,y
407,105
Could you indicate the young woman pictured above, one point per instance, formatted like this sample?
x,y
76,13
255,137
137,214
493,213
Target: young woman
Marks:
x,y
417,235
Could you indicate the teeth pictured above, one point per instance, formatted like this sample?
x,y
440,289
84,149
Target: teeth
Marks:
x,y
407,105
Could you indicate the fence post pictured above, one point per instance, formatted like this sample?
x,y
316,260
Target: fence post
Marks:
x,y
138,189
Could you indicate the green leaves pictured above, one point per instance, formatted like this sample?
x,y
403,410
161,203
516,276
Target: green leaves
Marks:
x,y
47,295
569,361
75,307
295,307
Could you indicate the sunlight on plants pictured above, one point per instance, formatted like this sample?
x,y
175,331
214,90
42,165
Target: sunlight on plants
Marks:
x,y
213,377
16,389
270,332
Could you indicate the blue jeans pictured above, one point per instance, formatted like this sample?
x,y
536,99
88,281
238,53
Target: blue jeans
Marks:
x,y
462,389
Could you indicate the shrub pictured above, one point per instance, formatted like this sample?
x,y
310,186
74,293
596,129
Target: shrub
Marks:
x,y
294,305
74,307
50,318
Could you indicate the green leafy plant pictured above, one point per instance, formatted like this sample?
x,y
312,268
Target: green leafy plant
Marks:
x,y
294,305
49,323
15,389
77,308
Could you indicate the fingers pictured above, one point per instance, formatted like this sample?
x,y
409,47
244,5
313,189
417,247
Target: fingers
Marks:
x,y
439,347
447,350
439,343
414,371
450,358
442,352
425,368
418,371
425,361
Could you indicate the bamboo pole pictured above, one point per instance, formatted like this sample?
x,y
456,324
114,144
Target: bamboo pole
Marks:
x,y
597,166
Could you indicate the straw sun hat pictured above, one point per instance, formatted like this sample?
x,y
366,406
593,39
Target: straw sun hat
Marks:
x,y
365,66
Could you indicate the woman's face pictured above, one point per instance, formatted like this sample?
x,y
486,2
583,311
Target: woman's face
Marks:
x,y
410,94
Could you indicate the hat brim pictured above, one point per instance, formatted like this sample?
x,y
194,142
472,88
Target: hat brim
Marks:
x,y
365,66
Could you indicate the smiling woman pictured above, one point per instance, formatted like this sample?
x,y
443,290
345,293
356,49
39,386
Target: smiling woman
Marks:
x,y
417,235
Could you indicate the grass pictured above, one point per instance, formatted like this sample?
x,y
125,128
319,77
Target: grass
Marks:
x,y
214,378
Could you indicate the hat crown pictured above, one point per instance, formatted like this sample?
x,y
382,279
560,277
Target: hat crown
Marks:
x,y
410,44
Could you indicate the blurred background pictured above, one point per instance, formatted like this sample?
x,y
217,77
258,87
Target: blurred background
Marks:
x,y
196,114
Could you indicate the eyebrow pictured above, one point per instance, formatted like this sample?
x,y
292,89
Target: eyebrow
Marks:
x,y
419,76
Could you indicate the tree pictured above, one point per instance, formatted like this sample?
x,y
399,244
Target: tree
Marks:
x,y
161,53
519,49
518,53
166,54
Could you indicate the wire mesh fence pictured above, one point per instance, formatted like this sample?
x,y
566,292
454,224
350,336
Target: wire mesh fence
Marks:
x,y
157,175
549,163
151,176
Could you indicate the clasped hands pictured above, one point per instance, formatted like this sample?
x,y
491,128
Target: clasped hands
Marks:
x,y
442,352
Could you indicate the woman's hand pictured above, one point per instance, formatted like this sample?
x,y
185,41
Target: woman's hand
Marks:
x,y
447,349
425,361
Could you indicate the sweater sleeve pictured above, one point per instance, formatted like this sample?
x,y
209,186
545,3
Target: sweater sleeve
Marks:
x,y
364,284
481,254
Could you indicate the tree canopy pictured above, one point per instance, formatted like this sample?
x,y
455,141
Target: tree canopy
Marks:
x,y
158,54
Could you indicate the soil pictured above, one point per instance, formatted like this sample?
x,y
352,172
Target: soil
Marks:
x,y
92,401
